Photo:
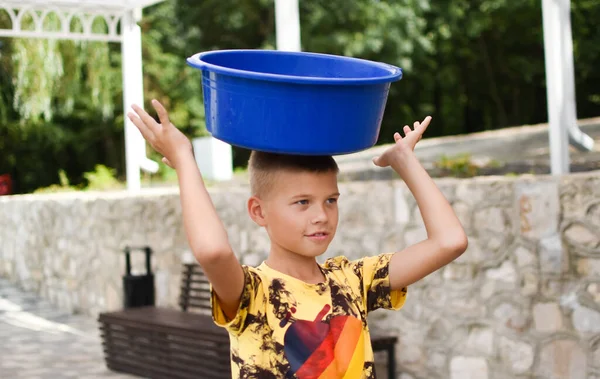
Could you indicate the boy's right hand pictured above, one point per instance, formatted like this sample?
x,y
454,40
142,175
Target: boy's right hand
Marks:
x,y
165,138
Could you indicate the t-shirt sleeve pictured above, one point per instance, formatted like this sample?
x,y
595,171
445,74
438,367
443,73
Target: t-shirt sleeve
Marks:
x,y
251,302
377,292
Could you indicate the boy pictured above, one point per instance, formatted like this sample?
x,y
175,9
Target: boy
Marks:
x,y
292,317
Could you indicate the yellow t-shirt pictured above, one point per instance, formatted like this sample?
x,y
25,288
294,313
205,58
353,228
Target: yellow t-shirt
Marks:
x,y
286,328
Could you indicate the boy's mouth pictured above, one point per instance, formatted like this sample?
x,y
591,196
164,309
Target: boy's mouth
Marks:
x,y
318,236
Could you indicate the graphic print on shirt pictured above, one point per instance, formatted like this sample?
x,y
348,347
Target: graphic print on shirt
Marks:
x,y
325,347
267,345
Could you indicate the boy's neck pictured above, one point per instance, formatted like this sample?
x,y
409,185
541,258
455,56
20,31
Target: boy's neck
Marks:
x,y
297,266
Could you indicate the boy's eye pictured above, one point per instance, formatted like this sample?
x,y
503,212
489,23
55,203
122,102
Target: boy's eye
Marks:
x,y
302,202
332,200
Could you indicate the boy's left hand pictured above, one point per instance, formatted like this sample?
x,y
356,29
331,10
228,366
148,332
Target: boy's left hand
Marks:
x,y
403,144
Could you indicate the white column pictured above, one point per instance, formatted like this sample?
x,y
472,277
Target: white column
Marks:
x,y
214,158
133,93
560,82
131,57
287,25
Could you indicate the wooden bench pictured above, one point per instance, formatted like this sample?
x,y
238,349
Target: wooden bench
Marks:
x,y
156,342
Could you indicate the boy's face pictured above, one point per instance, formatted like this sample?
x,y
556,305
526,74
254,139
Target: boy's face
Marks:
x,y
299,212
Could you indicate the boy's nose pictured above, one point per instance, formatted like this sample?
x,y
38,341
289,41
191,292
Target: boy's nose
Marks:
x,y
320,216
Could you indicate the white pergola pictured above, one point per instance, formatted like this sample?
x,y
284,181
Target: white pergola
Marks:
x,y
121,17
558,46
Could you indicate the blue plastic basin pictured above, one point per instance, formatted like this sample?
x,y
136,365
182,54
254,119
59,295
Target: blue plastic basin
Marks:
x,y
294,102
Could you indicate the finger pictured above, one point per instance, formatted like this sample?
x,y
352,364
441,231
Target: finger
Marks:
x,y
167,162
142,127
146,118
423,126
406,129
163,115
397,137
376,161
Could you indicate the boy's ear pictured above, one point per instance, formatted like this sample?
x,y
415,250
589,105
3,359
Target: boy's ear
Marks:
x,y
256,211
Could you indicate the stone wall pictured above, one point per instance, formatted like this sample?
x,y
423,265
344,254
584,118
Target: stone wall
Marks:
x,y
522,302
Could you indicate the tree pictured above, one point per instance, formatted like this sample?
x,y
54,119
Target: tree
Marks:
x,y
67,113
473,64
586,35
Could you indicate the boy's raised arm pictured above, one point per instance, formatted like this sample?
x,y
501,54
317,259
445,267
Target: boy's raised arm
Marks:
x,y
205,232
446,238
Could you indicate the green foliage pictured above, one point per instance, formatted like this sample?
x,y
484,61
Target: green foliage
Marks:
x,y
460,165
102,179
67,113
473,65
586,34
390,31
73,74
167,77
63,186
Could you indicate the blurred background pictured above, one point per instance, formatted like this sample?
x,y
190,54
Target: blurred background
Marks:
x,y
474,65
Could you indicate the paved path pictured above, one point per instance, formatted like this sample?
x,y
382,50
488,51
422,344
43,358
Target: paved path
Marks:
x,y
37,341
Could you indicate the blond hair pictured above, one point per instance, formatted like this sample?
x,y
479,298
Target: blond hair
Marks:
x,y
263,168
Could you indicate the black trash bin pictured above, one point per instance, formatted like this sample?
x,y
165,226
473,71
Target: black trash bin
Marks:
x,y
138,290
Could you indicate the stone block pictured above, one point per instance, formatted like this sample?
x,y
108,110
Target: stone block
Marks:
x,y
458,272
561,359
473,254
401,210
586,320
439,330
492,219
595,354
468,368
366,203
577,192
538,208
529,283
392,241
588,267
579,234
593,214
411,355
258,240
415,235
469,193
594,290
505,273
517,355
547,317
437,361
417,218
480,340
493,248
463,212
553,258
462,304
551,288
524,256
511,316
253,259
